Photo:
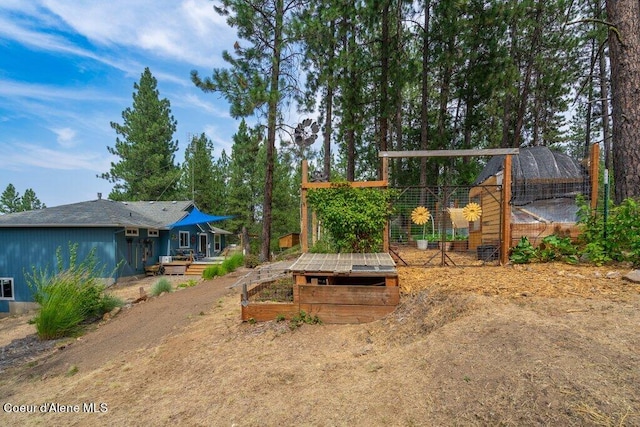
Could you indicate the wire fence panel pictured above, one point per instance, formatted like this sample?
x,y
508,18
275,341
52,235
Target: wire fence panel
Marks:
x,y
448,237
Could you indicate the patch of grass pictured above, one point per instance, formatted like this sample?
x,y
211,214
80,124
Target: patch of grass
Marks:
x,y
188,284
109,302
72,371
214,271
162,285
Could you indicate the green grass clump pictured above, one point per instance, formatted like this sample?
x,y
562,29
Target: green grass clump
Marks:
x,y
228,265
213,271
60,312
69,298
233,262
162,285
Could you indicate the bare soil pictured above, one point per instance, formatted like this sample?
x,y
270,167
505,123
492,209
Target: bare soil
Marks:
x,y
534,345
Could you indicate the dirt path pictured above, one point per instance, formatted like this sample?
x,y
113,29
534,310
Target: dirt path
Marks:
x,y
141,326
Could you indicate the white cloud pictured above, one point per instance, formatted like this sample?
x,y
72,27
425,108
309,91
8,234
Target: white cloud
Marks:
x,y
66,137
14,89
17,156
193,101
188,30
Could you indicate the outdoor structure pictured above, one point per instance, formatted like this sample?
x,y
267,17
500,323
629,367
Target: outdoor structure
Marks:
x,y
530,194
337,288
544,186
127,237
289,240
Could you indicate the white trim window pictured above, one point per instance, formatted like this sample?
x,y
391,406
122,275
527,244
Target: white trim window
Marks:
x,y
217,243
153,233
6,288
184,239
131,232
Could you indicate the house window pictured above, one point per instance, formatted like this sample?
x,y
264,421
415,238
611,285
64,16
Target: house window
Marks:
x,y
217,243
131,232
153,233
6,288
184,239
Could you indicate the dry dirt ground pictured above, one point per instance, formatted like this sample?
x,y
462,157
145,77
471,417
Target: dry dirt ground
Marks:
x,y
534,345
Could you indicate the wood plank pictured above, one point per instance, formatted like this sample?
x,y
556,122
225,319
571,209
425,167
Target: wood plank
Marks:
x,y
450,153
266,312
350,295
357,184
347,314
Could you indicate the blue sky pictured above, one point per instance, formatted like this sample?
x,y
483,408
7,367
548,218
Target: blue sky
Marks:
x,y
67,69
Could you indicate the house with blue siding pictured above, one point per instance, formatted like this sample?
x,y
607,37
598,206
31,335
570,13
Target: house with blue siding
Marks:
x,y
126,238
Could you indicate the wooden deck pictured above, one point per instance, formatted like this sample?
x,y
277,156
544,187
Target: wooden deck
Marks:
x,y
181,267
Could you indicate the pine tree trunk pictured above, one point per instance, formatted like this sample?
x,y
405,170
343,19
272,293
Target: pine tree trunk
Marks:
x,y
274,97
624,52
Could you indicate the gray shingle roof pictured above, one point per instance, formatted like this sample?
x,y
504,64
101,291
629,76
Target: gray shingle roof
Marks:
x,y
101,213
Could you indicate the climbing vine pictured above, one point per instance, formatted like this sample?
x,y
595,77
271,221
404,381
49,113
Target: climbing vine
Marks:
x,y
354,217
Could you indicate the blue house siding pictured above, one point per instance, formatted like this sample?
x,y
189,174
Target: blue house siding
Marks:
x,y
23,249
136,252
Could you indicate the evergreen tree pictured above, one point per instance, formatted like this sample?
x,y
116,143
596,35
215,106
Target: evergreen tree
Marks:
x,y
10,200
146,150
257,77
198,174
30,201
245,179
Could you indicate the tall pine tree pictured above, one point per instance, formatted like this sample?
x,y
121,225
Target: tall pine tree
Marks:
x,y
146,149
198,177
256,81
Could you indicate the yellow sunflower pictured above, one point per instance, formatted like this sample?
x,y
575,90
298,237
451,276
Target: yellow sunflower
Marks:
x,y
472,212
420,215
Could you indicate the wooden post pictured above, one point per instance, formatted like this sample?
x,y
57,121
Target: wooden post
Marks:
x,y
506,211
594,164
304,239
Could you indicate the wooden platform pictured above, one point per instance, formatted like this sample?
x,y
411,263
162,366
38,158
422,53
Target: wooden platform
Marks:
x,y
338,288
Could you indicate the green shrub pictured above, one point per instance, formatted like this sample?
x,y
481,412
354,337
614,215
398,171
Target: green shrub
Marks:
x,y
69,297
233,262
301,318
251,261
214,271
617,240
162,285
523,252
109,302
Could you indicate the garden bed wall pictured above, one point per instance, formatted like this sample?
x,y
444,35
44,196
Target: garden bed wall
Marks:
x,y
331,303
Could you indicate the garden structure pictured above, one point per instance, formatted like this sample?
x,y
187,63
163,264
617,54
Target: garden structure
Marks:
x,y
521,192
544,187
337,288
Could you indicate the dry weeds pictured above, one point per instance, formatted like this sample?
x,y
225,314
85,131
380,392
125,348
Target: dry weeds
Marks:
x,y
534,345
